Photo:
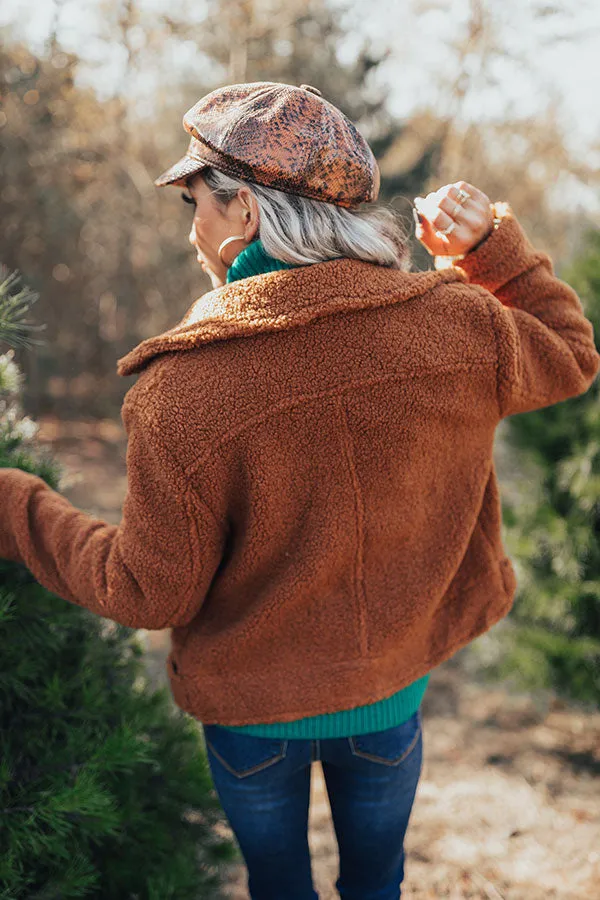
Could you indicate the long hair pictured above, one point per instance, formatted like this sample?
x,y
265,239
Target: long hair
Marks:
x,y
303,231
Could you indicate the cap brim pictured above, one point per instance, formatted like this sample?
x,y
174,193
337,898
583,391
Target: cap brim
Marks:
x,y
180,172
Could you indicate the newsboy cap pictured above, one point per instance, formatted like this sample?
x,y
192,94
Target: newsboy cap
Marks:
x,y
282,136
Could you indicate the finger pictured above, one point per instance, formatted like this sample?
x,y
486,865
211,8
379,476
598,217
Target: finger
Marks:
x,y
437,243
436,200
454,202
433,197
455,197
467,213
451,190
459,235
425,232
435,219
475,193
442,220
448,190
430,239
440,245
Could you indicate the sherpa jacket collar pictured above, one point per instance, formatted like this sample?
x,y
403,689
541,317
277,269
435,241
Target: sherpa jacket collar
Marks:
x,y
284,299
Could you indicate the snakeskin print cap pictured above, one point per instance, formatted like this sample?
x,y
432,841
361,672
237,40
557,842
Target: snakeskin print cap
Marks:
x,y
282,136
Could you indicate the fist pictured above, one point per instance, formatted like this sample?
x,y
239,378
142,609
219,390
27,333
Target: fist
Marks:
x,y
470,219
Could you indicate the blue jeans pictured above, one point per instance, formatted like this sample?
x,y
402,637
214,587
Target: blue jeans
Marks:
x,y
263,785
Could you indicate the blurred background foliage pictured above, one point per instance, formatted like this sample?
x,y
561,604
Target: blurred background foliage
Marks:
x,y
551,519
107,253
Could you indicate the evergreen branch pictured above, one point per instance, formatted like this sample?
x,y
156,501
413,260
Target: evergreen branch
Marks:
x,y
9,809
15,301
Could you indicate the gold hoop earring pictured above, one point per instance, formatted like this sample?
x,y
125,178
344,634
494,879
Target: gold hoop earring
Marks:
x,y
239,237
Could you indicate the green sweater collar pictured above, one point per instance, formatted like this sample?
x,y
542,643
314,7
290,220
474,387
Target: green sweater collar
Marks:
x,y
253,260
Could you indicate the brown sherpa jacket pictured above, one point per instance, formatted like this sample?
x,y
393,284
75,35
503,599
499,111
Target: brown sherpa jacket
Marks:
x,y
312,504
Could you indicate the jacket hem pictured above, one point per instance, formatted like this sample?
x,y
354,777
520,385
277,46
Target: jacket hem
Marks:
x,y
217,700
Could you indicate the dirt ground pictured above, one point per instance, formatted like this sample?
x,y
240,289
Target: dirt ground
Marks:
x,y
508,806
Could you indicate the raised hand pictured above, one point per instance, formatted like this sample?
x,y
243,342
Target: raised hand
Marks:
x,y
460,207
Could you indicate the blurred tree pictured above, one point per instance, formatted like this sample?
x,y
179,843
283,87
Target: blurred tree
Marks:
x,y
79,213
105,789
115,247
79,208
299,43
553,528
522,159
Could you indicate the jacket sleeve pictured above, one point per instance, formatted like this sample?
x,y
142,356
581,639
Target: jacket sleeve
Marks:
x,y
545,344
151,571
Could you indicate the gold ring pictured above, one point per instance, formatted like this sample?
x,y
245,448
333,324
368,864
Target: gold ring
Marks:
x,y
462,196
455,210
448,230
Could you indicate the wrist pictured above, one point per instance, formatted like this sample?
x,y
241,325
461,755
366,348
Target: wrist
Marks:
x,y
495,223
443,262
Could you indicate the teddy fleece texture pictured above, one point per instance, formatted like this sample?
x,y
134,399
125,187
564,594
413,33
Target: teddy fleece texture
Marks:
x,y
312,504
394,710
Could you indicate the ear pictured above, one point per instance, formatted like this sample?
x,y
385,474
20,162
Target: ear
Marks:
x,y
250,212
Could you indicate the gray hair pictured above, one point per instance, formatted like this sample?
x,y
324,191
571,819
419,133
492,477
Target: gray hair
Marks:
x,y
302,231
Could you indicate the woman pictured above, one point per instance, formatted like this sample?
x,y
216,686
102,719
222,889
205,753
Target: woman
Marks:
x,y
312,505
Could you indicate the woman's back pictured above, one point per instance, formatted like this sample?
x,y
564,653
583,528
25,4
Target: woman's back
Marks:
x,y
338,421
312,505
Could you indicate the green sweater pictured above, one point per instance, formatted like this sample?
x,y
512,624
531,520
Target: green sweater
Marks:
x,y
394,710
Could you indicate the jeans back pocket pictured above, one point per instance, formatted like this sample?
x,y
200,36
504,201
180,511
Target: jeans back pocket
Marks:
x,y
243,754
390,747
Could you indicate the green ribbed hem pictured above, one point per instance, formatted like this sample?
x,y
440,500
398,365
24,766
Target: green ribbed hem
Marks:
x,y
378,716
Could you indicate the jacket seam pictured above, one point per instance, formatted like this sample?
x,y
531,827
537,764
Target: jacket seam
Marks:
x,y
152,423
190,500
197,499
359,520
188,489
466,636
494,329
276,410
489,540
187,599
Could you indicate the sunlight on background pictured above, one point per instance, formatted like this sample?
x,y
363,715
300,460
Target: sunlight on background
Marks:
x,y
500,93
497,93
541,50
